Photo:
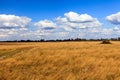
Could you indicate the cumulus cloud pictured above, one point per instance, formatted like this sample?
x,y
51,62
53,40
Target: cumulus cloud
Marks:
x,y
3,35
9,21
75,20
114,18
116,28
78,18
45,24
71,25
106,31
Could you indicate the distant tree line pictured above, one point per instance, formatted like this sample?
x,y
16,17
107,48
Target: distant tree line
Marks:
x,y
64,40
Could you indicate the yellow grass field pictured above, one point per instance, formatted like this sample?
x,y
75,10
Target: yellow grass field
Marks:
x,y
60,61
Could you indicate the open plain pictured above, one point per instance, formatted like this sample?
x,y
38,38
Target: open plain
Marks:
x,y
59,61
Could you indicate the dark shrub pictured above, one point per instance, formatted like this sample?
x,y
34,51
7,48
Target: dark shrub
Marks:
x,y
106,42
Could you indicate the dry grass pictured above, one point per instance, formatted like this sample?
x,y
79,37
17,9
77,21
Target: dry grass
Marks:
x,y
60,61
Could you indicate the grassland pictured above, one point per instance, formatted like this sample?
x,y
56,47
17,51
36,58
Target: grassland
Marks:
x,y
60,61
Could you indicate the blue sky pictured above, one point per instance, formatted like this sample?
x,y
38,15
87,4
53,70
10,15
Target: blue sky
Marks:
x,y
41,9
42,12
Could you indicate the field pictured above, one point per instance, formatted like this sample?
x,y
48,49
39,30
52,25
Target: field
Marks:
x,y
60,61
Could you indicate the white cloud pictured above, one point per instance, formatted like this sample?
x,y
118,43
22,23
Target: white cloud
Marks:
x,y
95,30
106,31
61,20
3,35
75,20
13,21
116,28
72,25
114,18
78,18
45,24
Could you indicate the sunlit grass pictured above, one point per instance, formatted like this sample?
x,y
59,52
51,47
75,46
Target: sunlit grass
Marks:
x,y
60,61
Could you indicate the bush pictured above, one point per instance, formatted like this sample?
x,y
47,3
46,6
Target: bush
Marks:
x,y
106,42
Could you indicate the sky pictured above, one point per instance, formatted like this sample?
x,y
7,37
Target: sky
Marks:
x,y
59,19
